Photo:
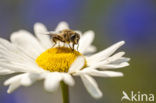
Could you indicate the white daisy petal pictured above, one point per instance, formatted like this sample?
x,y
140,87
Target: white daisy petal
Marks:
x,y
90,49
113,66
86,41
52,81
13,79
44,39
107,74
91,86
61,26
77,65
5,71
68,79
8,56
10,50
98,73
121,60
11,67
115,57
24,79
27,42
13,86
104,54
8,53
5,44
109,60
20,67
13,83
29,78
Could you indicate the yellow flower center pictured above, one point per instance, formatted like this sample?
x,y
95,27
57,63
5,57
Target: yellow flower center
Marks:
x,y
58,59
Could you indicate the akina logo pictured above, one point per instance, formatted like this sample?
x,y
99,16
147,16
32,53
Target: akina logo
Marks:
x,y
137,96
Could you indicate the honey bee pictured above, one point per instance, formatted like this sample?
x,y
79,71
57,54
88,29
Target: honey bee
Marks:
x,y
66,36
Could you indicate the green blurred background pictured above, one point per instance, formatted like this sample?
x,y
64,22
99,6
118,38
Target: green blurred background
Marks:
x,y
112,20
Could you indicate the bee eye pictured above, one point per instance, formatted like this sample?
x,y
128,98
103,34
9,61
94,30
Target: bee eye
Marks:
x,y
73,37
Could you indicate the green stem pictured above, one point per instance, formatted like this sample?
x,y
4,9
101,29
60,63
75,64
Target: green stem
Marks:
x,y
65,92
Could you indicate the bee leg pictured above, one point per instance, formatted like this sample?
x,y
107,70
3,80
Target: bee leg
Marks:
x,y
55,41
77,47
70,46
73,46
59,44
53,45
63,44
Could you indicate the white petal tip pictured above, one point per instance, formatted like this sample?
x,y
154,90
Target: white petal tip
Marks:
x,y
122,42
119,75
50,89
126,64
8,92
122,53
68,79
22,31
115,74
61,26
37,24
63,23
18,33
5,83
128,59
72,84
98,96
90,32
40,28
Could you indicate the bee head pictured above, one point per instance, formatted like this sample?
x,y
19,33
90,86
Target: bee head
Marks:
x,y
75,38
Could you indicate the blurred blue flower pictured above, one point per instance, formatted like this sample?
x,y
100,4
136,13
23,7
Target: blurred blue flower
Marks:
x,y
133,21
51,12
7,98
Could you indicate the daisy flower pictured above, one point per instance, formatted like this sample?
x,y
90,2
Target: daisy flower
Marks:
x,y
31,58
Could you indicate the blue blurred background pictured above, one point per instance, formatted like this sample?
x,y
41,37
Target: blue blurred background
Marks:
x,y
112,20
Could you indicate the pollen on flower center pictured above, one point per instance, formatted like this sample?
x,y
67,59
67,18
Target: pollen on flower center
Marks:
x,y
57,59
